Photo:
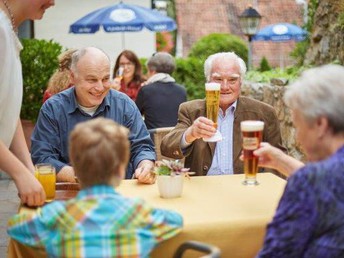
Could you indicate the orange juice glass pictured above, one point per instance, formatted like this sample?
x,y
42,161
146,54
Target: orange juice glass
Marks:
x,y
46,175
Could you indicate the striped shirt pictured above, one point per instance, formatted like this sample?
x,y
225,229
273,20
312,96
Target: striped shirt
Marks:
x,y
98,222
223,157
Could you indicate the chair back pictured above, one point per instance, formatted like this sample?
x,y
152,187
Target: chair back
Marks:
x,y
156,135
211,251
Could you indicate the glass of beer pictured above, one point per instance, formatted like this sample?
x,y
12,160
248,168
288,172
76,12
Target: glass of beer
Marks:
x,y
119,73
252,133
212,93
46,175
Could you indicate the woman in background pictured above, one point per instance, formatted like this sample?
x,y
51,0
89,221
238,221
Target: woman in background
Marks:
x,y
128,74
61,79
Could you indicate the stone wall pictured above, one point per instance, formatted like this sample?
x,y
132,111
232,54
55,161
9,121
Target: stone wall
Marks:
x,y
327,42
273,95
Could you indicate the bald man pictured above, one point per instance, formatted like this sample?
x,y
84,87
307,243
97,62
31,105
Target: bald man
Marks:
x,y
90,97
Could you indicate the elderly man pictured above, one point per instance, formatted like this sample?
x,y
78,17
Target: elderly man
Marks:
x,y
90,97
159,100
209,158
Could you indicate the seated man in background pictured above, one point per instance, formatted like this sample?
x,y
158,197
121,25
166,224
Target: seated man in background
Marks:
x,y
160,98
223,157
98,222
90,97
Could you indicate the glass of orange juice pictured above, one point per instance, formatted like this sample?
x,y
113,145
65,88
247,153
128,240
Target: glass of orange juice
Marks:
x,y
46,175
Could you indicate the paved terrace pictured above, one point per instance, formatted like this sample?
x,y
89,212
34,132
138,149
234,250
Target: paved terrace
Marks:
x,y
9,203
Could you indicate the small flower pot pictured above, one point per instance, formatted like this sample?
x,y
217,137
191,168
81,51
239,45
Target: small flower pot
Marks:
x,y
170,186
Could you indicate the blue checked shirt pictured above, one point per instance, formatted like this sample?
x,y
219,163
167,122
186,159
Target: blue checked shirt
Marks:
x,y
98,222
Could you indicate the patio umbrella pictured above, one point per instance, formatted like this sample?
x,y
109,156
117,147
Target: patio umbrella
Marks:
x,y
123,18
281,32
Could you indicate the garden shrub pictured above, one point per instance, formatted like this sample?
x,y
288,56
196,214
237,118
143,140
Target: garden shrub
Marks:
x,y
264,65
189,72
39,61
219,42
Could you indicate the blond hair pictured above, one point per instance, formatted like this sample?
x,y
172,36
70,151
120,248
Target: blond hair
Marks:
x,y
98,149
61,79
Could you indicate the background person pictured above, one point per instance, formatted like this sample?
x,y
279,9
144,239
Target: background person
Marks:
x,y
132,79
60,80
90,97
223,157
161,96
14,154
98,221
309,218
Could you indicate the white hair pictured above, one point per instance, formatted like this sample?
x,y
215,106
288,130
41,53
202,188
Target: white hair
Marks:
x,y
319,92
208,64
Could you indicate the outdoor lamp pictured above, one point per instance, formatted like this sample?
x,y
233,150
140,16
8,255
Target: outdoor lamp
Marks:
x,y
161,6
249,22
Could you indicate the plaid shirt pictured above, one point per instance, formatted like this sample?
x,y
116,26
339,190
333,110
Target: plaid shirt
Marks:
x,y
98,222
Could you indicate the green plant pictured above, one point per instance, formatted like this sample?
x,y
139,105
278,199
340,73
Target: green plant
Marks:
x,y
290,73
39,61
219,42
264,65
170,168
299,52
189,72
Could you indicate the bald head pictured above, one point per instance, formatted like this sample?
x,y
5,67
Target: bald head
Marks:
x,y
90,74
91,55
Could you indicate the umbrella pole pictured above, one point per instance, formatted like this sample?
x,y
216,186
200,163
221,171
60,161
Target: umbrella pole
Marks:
x,y
281,57
123,41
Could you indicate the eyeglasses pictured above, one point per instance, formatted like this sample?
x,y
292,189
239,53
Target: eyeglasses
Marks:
x,y
126,64
231,80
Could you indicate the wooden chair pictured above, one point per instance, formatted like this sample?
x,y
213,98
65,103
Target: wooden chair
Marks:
x,y
156,135
211,251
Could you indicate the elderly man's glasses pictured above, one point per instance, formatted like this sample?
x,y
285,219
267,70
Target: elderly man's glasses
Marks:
x,y
231,80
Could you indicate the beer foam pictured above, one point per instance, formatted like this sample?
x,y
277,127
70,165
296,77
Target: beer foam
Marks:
x,y
212,86
252,126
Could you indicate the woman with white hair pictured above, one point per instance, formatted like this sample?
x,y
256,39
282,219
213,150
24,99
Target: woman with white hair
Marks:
x,y
309,221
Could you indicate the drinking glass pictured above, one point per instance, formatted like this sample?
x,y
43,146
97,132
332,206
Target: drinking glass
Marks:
x,y
119,73
212,93
46,175
252,133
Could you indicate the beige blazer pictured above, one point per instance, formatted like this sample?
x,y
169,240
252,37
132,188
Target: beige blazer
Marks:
x,y
199,156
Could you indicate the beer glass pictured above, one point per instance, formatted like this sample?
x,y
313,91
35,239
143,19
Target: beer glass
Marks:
x,y
212,93
119,73
252,133
45,173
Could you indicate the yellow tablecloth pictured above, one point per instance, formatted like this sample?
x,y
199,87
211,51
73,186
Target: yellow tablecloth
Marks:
x,y
216,209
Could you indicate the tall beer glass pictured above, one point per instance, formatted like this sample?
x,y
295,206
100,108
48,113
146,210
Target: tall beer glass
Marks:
x,y
252,133
212,93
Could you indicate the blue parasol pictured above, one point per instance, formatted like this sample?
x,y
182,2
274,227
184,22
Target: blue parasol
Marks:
x,y
281,32
123,18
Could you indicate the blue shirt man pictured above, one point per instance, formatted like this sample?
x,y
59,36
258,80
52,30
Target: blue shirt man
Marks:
x,y
91,97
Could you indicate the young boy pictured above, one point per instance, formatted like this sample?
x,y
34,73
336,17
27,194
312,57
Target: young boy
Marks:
x,y
98,222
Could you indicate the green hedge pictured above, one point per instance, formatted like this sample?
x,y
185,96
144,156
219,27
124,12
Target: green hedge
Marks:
x,y
39,61
218,42
189,72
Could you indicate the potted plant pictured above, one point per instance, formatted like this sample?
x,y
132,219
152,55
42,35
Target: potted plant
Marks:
x,y
170,177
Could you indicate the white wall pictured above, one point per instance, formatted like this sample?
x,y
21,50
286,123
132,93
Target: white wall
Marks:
x,y
57,19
